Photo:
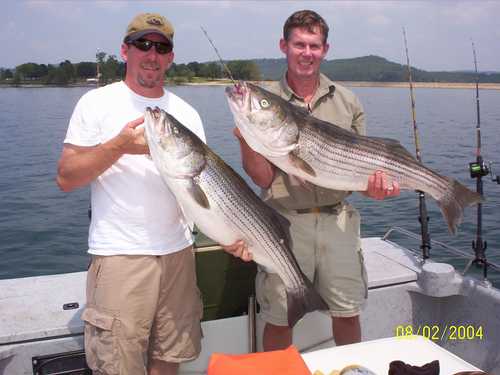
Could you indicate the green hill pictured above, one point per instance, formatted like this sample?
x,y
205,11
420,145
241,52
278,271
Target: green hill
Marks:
x,y
374,69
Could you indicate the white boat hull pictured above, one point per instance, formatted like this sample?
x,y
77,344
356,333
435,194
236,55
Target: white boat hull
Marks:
x,y
400,299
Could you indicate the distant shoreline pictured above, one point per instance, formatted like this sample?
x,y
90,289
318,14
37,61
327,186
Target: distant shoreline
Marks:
x,y
430,85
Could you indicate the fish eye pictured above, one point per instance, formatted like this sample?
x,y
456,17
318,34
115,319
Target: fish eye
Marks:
x,y
264,103
176,130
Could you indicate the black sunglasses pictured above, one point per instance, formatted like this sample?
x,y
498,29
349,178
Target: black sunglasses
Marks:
x,y
145,45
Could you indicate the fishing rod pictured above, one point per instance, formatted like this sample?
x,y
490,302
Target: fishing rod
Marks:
x,y
478,169
252,304
218,55
423,218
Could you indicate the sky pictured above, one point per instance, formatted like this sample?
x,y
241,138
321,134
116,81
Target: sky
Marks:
x,y
439,33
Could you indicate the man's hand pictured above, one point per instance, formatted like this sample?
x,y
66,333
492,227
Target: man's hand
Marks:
x,y
378,187
239,249
131,140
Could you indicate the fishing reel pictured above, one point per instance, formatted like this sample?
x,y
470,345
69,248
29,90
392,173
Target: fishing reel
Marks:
x,y
478,169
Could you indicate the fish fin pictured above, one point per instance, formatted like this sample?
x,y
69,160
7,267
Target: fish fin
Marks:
x,y
198,194
386,140
330,130
303,300
301,164
394,146
454,201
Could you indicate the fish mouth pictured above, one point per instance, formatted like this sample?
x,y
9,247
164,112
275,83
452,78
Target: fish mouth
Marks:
x,y
156,119
153,113
238,95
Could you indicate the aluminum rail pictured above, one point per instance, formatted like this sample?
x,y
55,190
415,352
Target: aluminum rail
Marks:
x,y
450,249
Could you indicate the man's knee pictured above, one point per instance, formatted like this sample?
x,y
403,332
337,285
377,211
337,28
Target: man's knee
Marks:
x,y
350,321
157,367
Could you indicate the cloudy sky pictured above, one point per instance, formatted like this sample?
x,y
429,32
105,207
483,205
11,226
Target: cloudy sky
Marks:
x,y
439,32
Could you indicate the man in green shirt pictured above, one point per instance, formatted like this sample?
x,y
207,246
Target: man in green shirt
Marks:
x,y
325,229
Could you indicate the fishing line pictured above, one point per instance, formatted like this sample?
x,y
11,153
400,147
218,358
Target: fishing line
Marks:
x,y
218,54
423,218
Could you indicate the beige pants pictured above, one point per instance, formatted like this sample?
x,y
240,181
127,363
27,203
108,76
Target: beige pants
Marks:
x,y
140,308
328,250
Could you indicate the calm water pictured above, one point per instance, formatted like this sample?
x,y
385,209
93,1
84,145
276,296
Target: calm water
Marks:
x,y
44,231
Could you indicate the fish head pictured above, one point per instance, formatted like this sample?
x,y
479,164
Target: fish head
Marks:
x,y
253,103
176,151
262,118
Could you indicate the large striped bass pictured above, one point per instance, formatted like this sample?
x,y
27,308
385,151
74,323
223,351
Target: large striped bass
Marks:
x,y
224,208
332,157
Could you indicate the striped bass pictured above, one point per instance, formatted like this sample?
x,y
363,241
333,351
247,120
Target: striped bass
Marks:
x,y
224,208
332,157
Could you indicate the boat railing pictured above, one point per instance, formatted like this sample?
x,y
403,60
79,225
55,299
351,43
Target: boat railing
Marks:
x,y
450,249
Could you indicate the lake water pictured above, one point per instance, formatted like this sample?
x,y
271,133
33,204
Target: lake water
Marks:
x,y
44,231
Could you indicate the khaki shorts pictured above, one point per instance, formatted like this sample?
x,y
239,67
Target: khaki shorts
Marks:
x,y
328,250
140,308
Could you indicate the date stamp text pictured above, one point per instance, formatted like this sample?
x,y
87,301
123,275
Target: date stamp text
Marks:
x,y
437,332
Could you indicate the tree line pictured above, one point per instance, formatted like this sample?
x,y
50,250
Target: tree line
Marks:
x,y
108,68
376,69
366,68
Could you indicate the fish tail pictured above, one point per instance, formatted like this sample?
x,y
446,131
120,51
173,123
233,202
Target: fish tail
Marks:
x,y
453,202
302,300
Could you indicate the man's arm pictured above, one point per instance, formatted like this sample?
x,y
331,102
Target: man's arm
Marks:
x,y
78,166
260,170
358,124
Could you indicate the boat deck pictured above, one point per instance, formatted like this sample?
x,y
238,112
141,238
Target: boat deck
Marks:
x,y
32,307
377,355
34,322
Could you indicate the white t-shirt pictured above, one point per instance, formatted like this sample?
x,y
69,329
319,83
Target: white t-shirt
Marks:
x,y
133,211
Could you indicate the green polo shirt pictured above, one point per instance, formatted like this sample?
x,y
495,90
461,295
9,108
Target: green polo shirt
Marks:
x,y
332,103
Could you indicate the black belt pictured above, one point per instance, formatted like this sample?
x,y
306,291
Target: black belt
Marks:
x,y
331,209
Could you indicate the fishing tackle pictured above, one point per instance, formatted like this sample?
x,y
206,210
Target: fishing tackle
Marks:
x,y
423,218
219,56
478,169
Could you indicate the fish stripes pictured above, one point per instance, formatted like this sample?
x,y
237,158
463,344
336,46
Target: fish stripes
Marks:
x,y
224,207
337,155
335,158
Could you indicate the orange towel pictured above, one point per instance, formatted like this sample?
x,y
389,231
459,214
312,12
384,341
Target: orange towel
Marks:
x,y
278,362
